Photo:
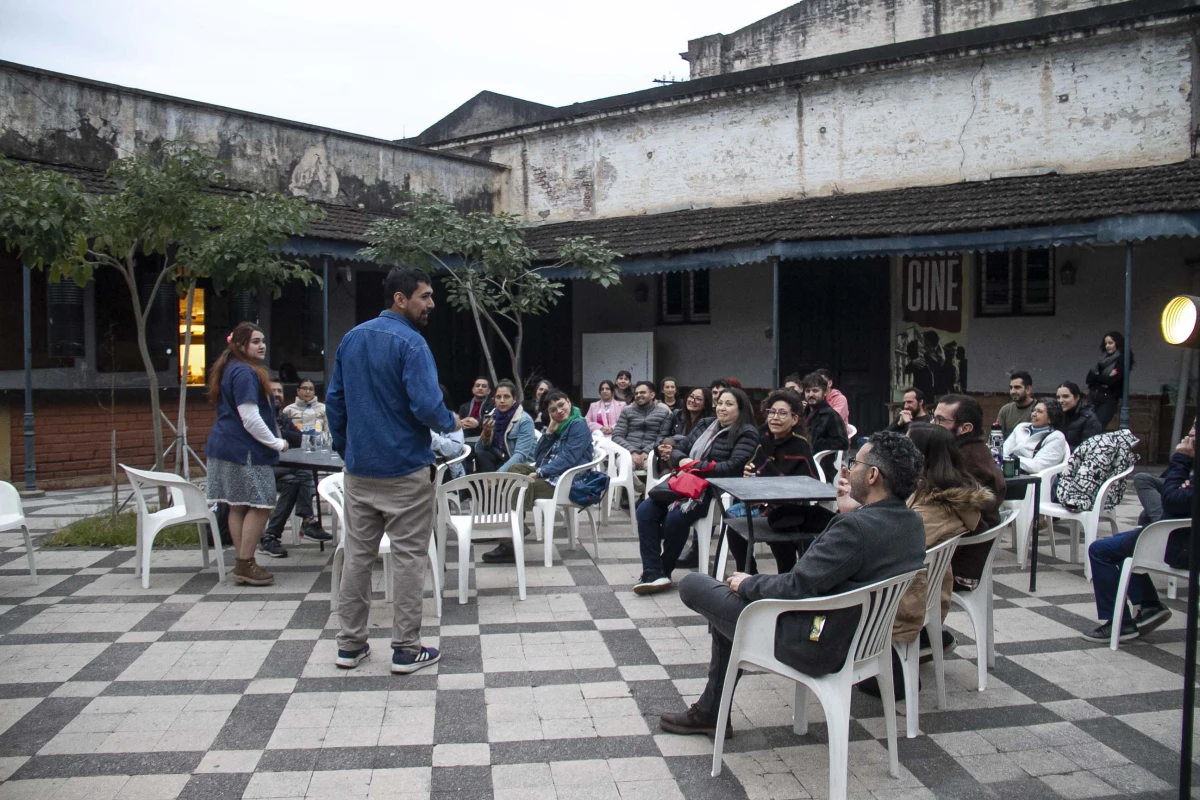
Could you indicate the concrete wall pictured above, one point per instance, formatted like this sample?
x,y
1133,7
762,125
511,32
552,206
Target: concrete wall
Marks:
x,y
735,343
1112,101
823,27
68,120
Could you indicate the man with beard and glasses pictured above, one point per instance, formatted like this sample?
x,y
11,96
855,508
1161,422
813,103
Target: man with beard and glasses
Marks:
x,y
879,539
382,403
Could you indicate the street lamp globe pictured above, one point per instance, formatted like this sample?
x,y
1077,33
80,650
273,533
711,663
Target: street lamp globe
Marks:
x,y
1179,321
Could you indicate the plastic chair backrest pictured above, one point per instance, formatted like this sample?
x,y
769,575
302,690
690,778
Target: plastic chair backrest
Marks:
x,y
879,614
332,489
851,432
445,465
563,487
1098,503
1151,546
937,561
494,496
622,461
10,500
184,494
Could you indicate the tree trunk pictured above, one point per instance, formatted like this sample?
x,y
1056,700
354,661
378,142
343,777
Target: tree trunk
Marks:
x,y
181,454
487,353
518,357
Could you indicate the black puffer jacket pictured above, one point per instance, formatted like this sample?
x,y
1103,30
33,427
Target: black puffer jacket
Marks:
x,y
730,451
1080,424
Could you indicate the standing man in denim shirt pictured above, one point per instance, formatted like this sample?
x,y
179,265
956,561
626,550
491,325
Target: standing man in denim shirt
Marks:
x,y
382,403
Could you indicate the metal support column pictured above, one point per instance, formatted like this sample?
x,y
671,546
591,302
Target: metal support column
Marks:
x,y
1128,348
1189,651
775,373
27,303
325,324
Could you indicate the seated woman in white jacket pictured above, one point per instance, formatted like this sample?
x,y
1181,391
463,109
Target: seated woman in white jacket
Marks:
x,y
1039,443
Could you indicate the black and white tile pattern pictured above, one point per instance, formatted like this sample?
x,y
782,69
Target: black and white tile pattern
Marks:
x,y
196,689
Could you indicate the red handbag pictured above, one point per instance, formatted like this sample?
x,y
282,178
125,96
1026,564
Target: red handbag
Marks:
x,y
687,481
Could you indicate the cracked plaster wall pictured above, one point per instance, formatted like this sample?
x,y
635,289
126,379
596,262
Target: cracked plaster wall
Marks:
x,y
1114,101
823,27
57,119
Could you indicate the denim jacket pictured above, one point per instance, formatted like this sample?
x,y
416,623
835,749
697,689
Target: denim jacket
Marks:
x,y
384,399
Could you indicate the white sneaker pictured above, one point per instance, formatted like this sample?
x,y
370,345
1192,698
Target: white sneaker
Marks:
x,y
652,586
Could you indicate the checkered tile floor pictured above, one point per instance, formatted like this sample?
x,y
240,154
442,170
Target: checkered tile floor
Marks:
x,y
195,689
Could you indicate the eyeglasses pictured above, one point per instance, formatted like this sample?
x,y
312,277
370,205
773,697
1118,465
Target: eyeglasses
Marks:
x,y
856,460
777,412
938,419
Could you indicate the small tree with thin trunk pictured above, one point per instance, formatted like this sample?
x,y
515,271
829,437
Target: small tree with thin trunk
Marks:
x,y
490,269
167,218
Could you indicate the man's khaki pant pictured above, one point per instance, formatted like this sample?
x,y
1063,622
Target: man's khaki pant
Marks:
x,y
540,489
403,507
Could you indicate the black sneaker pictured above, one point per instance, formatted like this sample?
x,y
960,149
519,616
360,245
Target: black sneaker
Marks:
x,y
949,644
404,663
689,560
311,529
1103,634
692,721
349,659
270,546
1151,617
503,554
652,583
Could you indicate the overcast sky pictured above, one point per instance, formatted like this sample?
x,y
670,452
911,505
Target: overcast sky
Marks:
x,y
387,69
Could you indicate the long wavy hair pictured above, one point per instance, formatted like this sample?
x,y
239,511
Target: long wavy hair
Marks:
x,y
944,467
239,340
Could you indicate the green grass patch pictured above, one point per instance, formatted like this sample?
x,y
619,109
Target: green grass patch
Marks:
x,y
104,531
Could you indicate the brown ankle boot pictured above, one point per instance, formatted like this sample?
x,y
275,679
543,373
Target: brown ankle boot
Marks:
x,y
247,571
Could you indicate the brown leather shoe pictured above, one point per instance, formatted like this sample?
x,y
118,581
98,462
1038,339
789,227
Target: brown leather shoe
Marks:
x,y
247,571
692,721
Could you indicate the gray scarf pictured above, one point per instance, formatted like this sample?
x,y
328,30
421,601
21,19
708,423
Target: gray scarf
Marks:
x,y
1106,365
704,442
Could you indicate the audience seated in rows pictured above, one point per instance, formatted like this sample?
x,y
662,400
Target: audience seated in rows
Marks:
x,y
963,416
566,443
1108,555
670,393
507,436
1039,443
624,391
695,408
913,410
879,539
1079,421
603,414
723,446
473,411
1019,409
642,425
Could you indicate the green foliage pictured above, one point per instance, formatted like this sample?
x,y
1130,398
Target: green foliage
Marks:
x,y
104,531
491,269
39,212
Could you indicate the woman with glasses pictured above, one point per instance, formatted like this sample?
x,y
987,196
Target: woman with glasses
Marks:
x,y
783,451
1039,443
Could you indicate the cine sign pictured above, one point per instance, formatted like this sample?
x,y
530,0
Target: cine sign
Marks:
x,y
933,289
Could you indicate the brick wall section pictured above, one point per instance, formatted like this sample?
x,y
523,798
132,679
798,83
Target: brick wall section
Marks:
x,y
73,434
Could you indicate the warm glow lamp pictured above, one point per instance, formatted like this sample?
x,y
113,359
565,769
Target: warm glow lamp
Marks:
x,y
1179,327
1179,321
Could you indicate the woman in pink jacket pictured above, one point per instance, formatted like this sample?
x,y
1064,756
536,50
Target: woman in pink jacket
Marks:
x,y
602,415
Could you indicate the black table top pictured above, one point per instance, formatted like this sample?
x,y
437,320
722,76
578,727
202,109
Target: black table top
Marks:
x,y
775,489
1022,480
326,460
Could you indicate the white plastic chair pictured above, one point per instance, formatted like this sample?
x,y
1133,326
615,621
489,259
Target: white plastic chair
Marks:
x,y
1025,510
332,489
12,516
979,602
1148,553
546,510
1088,520
497,507
620,475
438,475
189,505
937,561
840,457
869,655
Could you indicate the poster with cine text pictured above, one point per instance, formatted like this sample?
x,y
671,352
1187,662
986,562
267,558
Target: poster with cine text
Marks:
x,y
931,329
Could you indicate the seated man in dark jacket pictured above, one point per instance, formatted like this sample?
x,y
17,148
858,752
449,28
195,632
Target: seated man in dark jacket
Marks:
x,y
882,539
295,487
566,443
826,429
1108,555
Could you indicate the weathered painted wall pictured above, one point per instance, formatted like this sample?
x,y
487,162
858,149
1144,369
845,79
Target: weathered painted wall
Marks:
x,y
735,343
1109,102
67,120
823,27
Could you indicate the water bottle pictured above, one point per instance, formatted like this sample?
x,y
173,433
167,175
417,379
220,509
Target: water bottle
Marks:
x,y
996,444
308,429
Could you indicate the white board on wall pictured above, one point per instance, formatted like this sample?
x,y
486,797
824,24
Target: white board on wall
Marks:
x,y
606,354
